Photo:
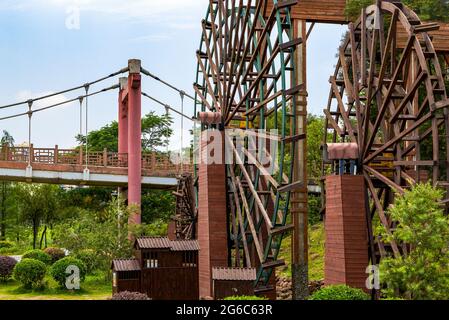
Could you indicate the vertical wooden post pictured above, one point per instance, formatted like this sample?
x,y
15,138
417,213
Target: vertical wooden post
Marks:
x,y
105,157
31,155
300,269
56,155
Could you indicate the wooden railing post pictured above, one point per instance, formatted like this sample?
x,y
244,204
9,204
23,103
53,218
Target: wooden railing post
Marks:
x,y
31,155
56,155
105,157
81,156
153,161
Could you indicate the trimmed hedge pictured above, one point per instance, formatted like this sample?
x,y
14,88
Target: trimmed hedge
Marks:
x,y
30,273
38,255
126,295
59,268
7,265
55,254
339,292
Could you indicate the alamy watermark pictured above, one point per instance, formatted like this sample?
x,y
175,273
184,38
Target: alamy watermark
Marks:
x,y
373,280
73,280
73,18
233,146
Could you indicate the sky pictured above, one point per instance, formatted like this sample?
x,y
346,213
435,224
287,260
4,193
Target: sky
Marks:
x,y
45,48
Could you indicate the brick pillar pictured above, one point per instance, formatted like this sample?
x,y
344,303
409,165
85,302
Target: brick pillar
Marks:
x,y
212,223
134,140
346,254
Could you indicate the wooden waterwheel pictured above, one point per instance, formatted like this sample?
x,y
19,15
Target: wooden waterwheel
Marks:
x,y
388,101
186,214
246,82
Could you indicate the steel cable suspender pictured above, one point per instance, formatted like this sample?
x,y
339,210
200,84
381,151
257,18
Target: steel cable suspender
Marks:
x,y
81,114
30,116
182,93
86,87
166,106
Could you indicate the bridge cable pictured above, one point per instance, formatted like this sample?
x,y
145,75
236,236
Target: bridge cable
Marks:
x,y
67,90
30,116
166,106
59,104
182,130
86,87
182,92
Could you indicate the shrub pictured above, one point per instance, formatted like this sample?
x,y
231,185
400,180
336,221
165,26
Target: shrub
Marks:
x,y
55,254
89,258
245,298
126,295
6,244
422,274
38,255
339,292
30,273
7,265
59,268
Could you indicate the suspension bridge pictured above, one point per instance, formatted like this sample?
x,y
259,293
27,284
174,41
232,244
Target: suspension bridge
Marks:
x,y
128,168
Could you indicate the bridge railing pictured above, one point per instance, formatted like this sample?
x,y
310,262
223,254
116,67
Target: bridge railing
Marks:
x,y
77,157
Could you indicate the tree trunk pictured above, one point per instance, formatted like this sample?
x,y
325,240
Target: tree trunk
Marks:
x,y
44,234
35,231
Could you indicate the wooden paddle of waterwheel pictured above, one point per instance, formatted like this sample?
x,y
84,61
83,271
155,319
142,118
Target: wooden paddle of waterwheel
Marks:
x,y
246,87
186,213
388,102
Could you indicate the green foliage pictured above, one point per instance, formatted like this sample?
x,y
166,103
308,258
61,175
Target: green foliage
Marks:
x,y
314,209
38,204
55,254
38,255
315,133
106,232
423,226
126,295
7,265
89,258
6,244
426,9
354,7
157,205
339,292
244,298
30,273
156,132
58,270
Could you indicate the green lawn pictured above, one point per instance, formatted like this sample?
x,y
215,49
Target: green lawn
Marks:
x,y
316,253
94,288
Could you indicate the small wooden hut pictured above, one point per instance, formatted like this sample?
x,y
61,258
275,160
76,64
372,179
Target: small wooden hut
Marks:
x,y
228,282
163,269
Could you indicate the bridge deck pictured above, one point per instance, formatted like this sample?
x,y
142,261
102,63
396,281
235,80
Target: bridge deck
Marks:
x,y
62,166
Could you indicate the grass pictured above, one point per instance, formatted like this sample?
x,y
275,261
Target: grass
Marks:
x,y
316,253
94,288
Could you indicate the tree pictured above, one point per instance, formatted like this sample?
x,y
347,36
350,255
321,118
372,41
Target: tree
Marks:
x,y
422,225
315,131
426,9
38,205
6,141
156,132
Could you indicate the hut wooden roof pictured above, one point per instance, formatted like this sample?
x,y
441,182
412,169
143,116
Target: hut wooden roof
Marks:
x,y
165,243
125,265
